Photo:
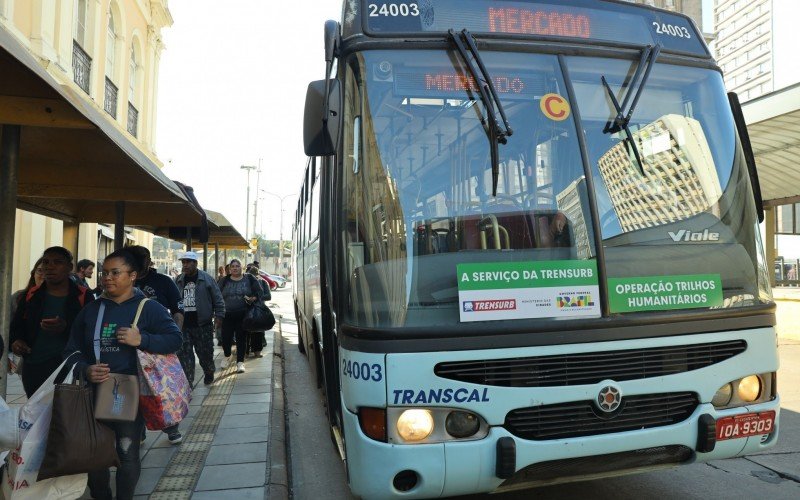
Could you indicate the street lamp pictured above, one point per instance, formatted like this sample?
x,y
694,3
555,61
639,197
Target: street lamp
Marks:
x,y
247,211
280,237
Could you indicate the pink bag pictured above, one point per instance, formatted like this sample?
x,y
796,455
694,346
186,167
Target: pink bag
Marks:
x,y
164,392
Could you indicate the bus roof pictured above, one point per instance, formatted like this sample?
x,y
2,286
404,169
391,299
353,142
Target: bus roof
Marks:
x,y
607,22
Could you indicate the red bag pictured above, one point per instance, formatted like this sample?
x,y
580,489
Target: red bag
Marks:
x,y
164,392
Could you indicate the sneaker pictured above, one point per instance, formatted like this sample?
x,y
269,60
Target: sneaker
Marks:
x,y
239,367
225,361
175,437
208,379
259,354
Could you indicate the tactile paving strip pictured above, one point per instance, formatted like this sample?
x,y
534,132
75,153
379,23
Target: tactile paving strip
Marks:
x,y
184,468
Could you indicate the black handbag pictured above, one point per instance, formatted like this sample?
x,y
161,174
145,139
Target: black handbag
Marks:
x,y
258,318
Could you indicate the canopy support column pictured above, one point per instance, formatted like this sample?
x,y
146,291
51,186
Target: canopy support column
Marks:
x,y
205,257
188,238
771,251
216,258
119,227
9,178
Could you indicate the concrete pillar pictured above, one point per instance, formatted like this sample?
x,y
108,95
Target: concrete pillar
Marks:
x,y
770,243
71,239
119,226
9,178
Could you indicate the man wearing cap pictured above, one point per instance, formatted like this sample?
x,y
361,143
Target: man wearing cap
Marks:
x,y
204,309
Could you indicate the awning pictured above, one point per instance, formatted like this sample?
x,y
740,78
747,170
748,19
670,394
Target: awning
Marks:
x,y
74,164
773,122
220,232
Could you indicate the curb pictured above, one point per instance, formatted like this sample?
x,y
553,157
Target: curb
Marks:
x,y
278,482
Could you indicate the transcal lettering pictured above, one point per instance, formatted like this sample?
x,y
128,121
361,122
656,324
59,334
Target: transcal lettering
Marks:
x,y
429,396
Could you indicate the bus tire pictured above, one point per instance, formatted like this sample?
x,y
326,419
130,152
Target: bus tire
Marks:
x,y
315,356
300,337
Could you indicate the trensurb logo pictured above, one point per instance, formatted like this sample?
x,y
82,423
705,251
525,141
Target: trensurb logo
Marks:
x,y
490,305
564,301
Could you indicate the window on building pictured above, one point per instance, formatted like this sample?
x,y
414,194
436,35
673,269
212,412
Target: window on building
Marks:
x,y
111,45
132,77
79,24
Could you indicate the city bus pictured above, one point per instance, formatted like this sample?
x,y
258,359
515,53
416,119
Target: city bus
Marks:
x,y
527,247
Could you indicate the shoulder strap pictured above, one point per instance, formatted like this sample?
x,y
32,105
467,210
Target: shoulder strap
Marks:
x,y
97,325
139,312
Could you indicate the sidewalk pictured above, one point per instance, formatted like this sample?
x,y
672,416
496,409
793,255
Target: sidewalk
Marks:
x,y
226,436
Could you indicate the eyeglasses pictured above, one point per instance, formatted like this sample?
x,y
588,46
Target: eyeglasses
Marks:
x,y
113,274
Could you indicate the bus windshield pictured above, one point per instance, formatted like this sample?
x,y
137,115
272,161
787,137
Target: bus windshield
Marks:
x,y
417,185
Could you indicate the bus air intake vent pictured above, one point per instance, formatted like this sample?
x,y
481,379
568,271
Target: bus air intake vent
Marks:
x,y
581,418
598,465
590,367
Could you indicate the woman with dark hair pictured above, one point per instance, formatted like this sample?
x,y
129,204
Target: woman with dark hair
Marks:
x,y
239,291
36,279
155,332
44,316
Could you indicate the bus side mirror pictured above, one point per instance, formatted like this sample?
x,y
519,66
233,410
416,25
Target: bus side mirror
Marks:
x,y
747,148
321,134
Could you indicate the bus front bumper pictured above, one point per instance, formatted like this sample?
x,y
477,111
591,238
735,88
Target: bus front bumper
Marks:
x,y
463,467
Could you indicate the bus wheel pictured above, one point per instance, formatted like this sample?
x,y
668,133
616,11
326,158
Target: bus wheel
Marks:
x,y
300,342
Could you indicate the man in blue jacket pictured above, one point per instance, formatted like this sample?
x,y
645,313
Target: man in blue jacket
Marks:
x,y
203,311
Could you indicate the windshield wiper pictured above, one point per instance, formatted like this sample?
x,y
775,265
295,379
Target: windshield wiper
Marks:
x,y
497,135
622,119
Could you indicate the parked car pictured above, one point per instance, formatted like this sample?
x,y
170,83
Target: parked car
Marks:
x,y
273,285
280,280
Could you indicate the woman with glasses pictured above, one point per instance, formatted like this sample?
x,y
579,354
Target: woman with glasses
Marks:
x,y
44,316
155,332
36,279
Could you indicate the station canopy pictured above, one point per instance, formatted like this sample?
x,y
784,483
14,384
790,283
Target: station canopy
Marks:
x,y
74,163
220,232
773,122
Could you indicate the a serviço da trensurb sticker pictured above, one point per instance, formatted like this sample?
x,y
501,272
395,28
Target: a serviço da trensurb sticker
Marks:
x,y
519,290
663,293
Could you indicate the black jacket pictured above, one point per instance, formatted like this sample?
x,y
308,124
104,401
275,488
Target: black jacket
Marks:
x,y
26,320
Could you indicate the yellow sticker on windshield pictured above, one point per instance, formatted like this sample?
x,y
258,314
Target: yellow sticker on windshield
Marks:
x,y
554,107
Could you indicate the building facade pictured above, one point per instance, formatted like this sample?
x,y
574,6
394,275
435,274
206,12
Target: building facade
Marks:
x,y
107,52
754,47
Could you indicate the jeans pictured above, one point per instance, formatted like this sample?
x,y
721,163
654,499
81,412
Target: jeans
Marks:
x,y
256,340
199,339
232,325
128,435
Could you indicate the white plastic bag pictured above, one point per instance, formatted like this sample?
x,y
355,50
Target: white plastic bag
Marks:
x,y
9,427
22,464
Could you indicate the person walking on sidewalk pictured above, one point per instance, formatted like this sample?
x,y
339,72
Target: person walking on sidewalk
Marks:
x,y
155,332
240,292
43,318
257,340
203,310
162,289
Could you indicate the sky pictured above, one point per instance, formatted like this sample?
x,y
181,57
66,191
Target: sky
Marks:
x,y
232,86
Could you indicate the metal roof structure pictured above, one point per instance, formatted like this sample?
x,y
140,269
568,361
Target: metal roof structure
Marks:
x,y
773,122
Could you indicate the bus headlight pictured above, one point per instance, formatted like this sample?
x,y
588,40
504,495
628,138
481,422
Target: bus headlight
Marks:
x,y
723,396
434,424
749,388
462,424
415,425
752,389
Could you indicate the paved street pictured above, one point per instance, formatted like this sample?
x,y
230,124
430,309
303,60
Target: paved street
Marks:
x,y
317,471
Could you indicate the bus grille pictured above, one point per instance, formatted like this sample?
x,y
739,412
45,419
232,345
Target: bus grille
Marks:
x,y
590,368
580,418
550,472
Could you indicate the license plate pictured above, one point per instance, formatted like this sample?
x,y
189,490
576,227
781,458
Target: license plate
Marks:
x,y
749,424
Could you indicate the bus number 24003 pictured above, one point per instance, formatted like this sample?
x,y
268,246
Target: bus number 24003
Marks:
x,y
362,371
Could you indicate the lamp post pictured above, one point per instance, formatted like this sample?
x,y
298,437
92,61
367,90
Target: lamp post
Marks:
x,y
247,211
280,237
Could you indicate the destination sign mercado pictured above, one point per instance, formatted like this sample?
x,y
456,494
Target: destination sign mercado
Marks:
x,y
442,83
594,20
